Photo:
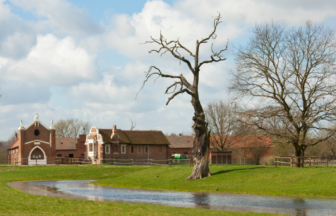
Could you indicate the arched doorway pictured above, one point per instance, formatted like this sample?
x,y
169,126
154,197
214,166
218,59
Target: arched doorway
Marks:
x,y
37,157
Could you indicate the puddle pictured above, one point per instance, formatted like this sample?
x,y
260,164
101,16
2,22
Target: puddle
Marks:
x,y
82,189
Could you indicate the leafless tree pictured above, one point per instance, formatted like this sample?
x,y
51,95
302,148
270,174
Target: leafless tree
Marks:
x,y
221,117
293,71
202,134
4,145
71,128
133,124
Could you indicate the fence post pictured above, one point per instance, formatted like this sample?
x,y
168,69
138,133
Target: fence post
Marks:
x,y
36,162
309,162
275,162
327,162
190,162
170,163
291,161
15,161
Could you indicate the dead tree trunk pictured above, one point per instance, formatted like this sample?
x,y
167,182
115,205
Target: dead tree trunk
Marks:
x,y
202,135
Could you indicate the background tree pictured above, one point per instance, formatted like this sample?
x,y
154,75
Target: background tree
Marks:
x,y
221,117
293,71
4,145
202,135
133,124
71,128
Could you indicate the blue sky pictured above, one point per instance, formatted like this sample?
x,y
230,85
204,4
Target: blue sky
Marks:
x,y
83,59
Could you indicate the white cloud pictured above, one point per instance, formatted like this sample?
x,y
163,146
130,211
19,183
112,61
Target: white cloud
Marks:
x,y
156,16
252,11
53,61
62,15
17,36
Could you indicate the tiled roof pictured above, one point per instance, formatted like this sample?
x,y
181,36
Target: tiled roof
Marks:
x,y
136,137
248,141
66,143
181,141
16,143
238,142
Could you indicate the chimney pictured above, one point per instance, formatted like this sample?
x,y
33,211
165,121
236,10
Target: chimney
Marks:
x,y
16,135
114,131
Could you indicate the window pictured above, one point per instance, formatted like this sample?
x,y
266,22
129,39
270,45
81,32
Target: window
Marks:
x,y
71,155
185,153
90,147
36,132
107,149
139,149
59,155
123,149
132,149
61,142
82,155
160,148
146,149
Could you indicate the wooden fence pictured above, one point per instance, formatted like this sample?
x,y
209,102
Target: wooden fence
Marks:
x,y
304,160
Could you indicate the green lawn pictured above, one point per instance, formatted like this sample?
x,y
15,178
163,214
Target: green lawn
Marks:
x,y
316,181
14,202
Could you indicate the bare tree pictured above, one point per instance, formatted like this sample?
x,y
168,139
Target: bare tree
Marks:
x,y
293,71
133,124
222,121
71,128
4,145
202,135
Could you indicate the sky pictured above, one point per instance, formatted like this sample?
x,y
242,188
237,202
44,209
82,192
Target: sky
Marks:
x,y
86,59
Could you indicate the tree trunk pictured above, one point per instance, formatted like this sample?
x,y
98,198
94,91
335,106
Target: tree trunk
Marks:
x,y
299,152
201,143
201,159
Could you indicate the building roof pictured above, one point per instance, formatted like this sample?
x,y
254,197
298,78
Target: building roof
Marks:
x,y
181,141
247,141
66,143
135,137
237,142
15,144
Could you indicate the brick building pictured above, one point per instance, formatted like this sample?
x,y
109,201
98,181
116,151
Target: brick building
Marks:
x,y
181,145
37,144
243,148
107,144
71,147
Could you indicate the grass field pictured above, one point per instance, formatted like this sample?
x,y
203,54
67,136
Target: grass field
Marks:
x,y
316,181
14,202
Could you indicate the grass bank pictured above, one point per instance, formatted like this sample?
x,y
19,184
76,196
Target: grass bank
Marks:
x,y
14,202
316,181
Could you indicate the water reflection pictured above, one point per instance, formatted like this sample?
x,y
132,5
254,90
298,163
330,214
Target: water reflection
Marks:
x,y
201,200
230,202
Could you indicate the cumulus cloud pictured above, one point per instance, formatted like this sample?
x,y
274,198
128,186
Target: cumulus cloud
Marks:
x,y
129,31
17,36
252,11
62,16
52,61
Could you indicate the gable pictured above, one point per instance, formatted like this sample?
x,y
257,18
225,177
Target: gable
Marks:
x,y
37,132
